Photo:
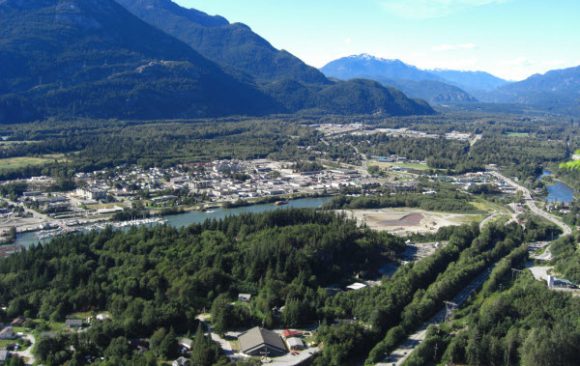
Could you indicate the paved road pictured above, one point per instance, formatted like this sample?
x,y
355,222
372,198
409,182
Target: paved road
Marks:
x,y
400,355
224,345
475,139
540,273
566,229
546,256
35,214
27,353
363,156
24,223
487,220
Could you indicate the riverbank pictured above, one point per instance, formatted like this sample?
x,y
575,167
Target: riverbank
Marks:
x,y
558,191
209,206
197,217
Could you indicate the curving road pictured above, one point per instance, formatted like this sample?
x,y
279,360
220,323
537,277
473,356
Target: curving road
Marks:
x,y
487,220
527,195
27,353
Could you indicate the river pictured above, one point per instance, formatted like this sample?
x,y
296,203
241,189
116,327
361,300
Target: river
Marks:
x,y
559,191
197,217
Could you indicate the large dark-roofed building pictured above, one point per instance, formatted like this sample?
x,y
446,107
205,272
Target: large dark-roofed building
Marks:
x,y
262,342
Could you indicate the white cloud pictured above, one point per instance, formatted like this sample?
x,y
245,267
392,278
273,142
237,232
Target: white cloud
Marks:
x,y
517,62
520,68
348,41
427,9
453,47
452,63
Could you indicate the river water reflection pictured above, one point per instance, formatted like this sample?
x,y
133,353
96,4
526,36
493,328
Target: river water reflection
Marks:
x,y
197,217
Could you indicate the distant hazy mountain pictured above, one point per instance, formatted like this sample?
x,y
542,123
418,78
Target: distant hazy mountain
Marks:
x,y
230,45
93,58
368,66
432,91
471,81
411,80
557,91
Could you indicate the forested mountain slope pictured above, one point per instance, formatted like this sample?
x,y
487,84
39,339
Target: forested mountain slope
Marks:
x,y
93,58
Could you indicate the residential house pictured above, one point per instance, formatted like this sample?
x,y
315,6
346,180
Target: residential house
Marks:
x,y
185,343
7,333
74,323
295,344
17,322
181,361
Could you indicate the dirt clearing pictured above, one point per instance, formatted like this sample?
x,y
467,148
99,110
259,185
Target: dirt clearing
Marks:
x,y
403,221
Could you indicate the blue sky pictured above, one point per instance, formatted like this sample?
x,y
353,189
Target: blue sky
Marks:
x,y
510,38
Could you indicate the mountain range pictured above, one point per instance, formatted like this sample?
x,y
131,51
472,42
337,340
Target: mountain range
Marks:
x,y
153,59
473,81
556,91
230,45
435,86
292,83
94,58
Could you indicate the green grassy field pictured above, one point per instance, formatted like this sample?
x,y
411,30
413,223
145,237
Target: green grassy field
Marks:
x,y
10,164
571,165
413,166
574,164
490,207
518,134
469,218
6,342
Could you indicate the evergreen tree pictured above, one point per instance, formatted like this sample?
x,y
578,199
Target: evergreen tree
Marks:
x,y
200,351
168,346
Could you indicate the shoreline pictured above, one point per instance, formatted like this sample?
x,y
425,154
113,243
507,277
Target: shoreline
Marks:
x,y
182,219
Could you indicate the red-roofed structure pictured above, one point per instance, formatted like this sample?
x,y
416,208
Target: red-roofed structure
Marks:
x,y
287,333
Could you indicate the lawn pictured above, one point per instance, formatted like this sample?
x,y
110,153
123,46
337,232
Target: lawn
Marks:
x,y
99,206
489,207
574,164
44,325
518,134
4,343
412,166
9,164
468,219
84,315
571,165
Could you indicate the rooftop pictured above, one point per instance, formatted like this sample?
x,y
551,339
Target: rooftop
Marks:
x,y
257,336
